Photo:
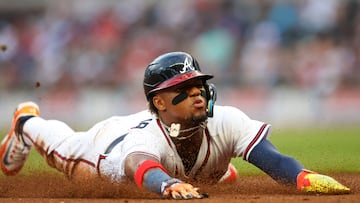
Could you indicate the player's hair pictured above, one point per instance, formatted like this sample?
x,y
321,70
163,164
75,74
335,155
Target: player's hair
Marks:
x,y
152,107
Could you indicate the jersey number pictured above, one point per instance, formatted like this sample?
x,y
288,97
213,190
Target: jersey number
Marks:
x,y
143,124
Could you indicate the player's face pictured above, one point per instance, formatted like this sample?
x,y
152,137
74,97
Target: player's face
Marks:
x,y
185,103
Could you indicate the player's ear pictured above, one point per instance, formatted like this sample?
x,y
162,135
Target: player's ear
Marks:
x,y
159,103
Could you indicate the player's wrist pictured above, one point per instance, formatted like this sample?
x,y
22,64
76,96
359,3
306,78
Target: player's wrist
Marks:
x,y
155,180
152,176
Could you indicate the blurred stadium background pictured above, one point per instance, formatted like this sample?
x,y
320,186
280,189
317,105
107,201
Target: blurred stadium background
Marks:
x,y
289,63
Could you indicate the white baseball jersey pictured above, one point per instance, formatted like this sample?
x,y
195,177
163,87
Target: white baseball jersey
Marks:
x,y
103,149
230,133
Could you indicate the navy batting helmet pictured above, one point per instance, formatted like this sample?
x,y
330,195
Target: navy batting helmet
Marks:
x,y
174,68
171,69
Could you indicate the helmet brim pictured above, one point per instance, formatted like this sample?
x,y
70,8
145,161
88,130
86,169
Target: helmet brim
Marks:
x,y
180,79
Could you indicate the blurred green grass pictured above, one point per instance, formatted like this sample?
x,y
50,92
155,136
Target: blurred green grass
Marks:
x,y
325,150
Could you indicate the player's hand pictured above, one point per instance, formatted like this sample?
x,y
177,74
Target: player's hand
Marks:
x,y
310,182
177,189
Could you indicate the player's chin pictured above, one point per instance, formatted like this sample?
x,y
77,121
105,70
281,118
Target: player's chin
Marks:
x,y
200,116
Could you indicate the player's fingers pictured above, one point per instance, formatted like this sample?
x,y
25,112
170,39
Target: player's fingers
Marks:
x,y
186,194
182,190
176,195
190,192
194,190
179,194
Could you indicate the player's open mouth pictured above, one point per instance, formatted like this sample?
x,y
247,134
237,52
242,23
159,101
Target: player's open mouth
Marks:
x,y
199,103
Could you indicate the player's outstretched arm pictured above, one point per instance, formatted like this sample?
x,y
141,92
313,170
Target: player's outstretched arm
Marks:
x,y
288,171
148,173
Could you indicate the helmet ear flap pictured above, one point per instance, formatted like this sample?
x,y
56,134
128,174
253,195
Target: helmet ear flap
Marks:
x,y
211,98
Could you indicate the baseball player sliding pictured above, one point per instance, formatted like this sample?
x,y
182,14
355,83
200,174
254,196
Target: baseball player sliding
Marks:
x,y
182,140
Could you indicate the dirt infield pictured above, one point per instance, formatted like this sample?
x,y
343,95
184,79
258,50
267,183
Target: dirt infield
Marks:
x,y
46,188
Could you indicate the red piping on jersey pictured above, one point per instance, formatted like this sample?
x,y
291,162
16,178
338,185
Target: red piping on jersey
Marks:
x,y
101,157
81,160
260,132
73,160
167,139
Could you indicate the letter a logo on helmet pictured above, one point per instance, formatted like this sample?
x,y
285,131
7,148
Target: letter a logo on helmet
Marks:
x,y
187,66
171,69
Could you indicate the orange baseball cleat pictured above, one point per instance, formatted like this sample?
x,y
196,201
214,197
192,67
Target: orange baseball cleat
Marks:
x,y
14,150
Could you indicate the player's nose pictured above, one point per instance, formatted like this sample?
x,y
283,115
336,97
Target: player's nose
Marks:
x,y
194,91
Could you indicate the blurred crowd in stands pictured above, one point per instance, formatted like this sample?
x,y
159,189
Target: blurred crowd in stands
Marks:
x,y
311,44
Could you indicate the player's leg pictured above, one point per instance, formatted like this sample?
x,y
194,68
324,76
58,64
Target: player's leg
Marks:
x,y
60,146
69,152
76,154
